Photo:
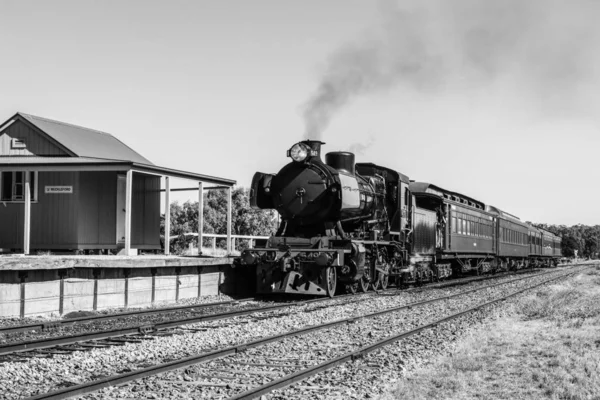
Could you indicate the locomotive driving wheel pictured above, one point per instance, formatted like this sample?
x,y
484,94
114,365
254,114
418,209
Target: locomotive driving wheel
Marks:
x,y
375,284
363,284
330,281
384,280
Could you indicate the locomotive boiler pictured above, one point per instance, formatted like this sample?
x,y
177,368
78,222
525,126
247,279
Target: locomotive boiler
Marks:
x,y
319,198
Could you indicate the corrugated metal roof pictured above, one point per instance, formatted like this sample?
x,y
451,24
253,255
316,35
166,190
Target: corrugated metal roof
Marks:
x,y
92,150
86,142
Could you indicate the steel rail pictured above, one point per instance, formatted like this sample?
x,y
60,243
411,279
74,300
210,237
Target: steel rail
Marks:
x,y
19,347
56,324
49,325
169,366
311,371
37,344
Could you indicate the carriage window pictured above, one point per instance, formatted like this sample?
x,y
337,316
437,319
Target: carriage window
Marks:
x,y
453,224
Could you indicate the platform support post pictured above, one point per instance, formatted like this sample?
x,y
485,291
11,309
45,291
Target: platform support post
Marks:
x,y
153,272
61,299
167,217
177,282
96,275
229,206
126,274
27,215
200,216
128,203
22,279
199,281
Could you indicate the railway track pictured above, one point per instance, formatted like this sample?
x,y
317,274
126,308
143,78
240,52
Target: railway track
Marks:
x,y
21,351
64,323
240,361
61,324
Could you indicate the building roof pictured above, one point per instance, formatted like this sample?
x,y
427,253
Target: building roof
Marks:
x,y
85,142
91,150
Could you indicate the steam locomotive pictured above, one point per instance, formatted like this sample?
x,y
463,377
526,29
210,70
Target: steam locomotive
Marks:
x,y
349,226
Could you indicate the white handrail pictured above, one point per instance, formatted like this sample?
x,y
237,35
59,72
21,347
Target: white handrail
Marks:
x,y
216,236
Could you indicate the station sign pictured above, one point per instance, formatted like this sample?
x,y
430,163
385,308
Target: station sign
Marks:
x,y
58,189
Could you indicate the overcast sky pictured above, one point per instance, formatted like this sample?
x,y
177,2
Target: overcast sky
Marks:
x,y
497,100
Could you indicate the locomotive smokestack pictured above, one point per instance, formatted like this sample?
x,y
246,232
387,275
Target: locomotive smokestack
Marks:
x,y
341,160
315,147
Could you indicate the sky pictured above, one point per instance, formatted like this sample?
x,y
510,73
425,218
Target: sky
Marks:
x,y
499,101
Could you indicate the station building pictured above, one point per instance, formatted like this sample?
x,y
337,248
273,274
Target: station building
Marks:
x,y
64,187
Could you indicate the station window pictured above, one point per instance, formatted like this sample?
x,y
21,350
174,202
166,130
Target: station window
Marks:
x,y
12,186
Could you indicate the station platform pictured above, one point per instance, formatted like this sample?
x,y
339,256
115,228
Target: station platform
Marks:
x,y
21,262
56,284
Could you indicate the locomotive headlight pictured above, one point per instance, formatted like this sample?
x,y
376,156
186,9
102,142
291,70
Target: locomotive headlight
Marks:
x,y
299,152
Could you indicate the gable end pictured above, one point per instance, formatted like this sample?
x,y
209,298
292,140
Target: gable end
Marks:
x,y
20,138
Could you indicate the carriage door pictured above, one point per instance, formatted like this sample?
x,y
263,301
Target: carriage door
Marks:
x,y
404,206
121,187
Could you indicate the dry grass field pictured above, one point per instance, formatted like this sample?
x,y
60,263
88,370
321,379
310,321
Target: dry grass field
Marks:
x,y
545,345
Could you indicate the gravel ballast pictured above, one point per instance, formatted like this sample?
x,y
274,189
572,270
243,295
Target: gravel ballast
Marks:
x,y
42,375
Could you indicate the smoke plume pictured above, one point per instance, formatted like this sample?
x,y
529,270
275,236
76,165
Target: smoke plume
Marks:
x,y
361,148
548,48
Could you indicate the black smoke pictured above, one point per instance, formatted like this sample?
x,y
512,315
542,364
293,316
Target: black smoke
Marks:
x,y
547,48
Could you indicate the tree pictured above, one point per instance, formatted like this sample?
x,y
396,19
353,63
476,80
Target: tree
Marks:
x,y
569,245
245,220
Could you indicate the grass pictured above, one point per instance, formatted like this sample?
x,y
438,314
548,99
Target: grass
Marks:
x,y
545,346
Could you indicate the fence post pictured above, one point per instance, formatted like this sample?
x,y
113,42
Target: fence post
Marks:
x,y
232,244
200,216
167,216
214,244
229,204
